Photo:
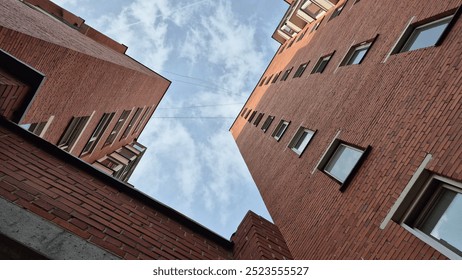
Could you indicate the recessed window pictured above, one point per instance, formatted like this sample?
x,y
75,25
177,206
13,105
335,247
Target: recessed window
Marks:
x,y
322,63
357,53
35,128
286,74
429,34
120,123
341,161
280,129
262,81
316,25
72,133
301,35
131,123
267,123
276,77
337,12
252,116
435,215
301,70
268,80
300,140
243,112
248,113
291,43
143,118
98,132
258,119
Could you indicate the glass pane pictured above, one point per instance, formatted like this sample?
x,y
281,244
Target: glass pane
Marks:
x,y
342,162
281,131
444,222
303,141
357,56
426,35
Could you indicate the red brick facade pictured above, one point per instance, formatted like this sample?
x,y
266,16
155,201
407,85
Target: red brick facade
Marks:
x,y
86,73
404,106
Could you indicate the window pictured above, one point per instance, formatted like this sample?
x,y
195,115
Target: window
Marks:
x,y
276,77
300,70
267,123
300,140
269,79
435,215
143,118
357,53
252,116
291,43
280,129
35,128
120,122
114,165
337,11
341,161
286,74
243,112
131,123
424,35
322,63
316,25
248,113
258,119
72,132
301,36
99,130
262,81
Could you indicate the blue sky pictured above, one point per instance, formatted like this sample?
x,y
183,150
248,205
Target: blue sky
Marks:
x,y
214,52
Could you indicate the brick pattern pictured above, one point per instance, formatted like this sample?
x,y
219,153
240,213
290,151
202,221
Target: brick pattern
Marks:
x,y
405,107
12,94
77,68
92,209
258,239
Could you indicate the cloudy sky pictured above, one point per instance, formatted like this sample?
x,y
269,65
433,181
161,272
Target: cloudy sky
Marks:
x,y
214,52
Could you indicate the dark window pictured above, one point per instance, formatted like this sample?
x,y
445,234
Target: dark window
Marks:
x,y
252,116
280,129
301,140
276,77
72,133
267,123
337,11
322,63
269,79
248,113
258,119
98,132
357,53
37,128
131,123
243,112
143,118
120,123
301,70
262,81
286,74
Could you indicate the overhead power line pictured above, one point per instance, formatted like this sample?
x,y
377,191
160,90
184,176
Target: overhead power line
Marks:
x,y
201,106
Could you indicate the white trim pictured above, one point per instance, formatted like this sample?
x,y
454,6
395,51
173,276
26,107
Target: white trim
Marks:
x,y
47,125
81,132
325,152
406,190
399,39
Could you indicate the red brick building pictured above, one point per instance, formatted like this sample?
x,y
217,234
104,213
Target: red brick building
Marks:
x,y
83,93
354,133
72,105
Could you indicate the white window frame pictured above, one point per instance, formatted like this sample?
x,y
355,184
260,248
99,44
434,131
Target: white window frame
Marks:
x,y
320,65
421,197
280,129
297,138
333,156
348,58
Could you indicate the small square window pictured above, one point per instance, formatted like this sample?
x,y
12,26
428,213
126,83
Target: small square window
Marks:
x,y
429,34
267,123
301,140
301,70
248,113
258,119
341,161
280,129
268,80
435,215
262,81
243,112
286,74
252,116
337,12
276,77
357,53
322,63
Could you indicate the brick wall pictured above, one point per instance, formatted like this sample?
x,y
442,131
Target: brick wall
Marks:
x,y
403,108
97,208
258,239
12,94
